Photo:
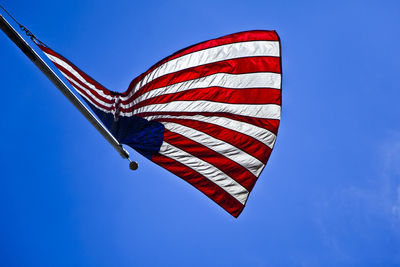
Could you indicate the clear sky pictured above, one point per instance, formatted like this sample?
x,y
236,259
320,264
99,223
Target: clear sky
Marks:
x,y
329,196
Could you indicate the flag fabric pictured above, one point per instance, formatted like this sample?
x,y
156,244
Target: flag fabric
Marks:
x,y
208,113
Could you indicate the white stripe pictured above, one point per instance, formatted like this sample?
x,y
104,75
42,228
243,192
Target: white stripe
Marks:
x,y
91,102
210,55
266,111
258,133
77,75
225,80
225,149
207,170
77,85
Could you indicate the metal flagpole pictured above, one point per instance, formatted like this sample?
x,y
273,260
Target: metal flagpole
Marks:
x,y
38,61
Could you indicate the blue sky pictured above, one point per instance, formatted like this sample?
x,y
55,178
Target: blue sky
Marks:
x,y
329,196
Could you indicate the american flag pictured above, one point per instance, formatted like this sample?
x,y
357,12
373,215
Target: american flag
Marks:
x,y
208,113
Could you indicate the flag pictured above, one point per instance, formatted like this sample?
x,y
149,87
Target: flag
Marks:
x,y
208,113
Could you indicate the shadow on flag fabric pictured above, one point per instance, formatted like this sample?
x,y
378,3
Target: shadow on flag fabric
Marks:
x,y
208,113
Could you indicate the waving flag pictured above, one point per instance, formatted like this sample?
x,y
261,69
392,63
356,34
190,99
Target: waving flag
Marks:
x,y
208,113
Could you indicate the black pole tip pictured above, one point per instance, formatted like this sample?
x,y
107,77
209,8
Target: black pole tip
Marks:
x,y
133,165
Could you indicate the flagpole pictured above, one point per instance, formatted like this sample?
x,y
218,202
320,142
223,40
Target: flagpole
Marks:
x,y
39,62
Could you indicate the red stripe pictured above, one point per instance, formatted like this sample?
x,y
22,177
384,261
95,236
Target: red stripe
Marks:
x,y
84,75
236,171
242,141
229,39
94,92
232,38
232,66
93,101
217,94
269,124
213,191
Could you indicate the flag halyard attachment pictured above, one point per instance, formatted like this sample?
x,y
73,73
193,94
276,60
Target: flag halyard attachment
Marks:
x,y
24,29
